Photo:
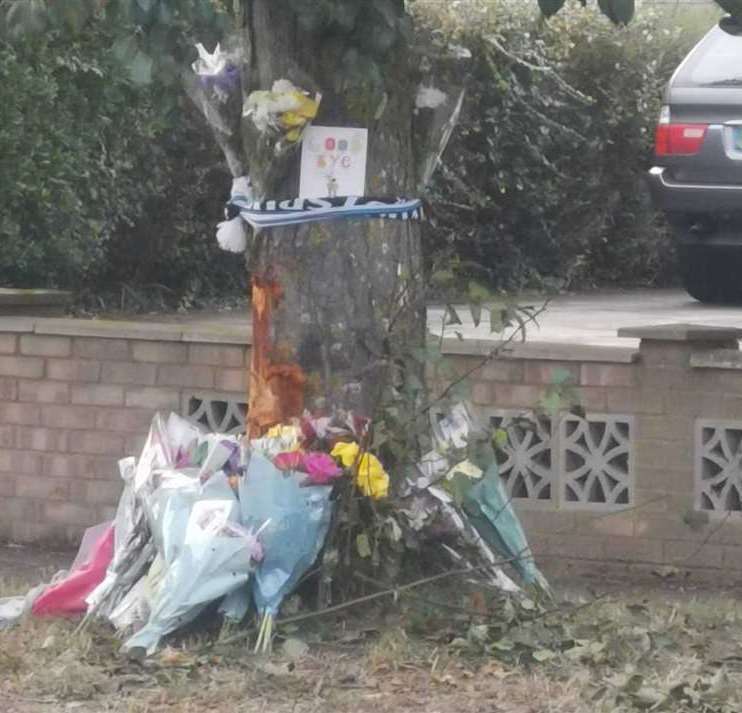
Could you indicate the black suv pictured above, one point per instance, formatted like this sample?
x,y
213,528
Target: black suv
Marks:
x,y
697,179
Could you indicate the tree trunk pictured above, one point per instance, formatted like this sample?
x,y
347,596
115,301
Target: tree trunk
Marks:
x,y
351,289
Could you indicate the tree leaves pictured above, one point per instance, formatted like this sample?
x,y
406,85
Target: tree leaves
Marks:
x,y
550,7
733,7
25,16
620,12
140,68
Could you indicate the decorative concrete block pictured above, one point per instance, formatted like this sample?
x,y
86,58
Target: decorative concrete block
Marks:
x,y
596,461
718,466
216,412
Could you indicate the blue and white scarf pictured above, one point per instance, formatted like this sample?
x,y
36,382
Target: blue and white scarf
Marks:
x,y
275,214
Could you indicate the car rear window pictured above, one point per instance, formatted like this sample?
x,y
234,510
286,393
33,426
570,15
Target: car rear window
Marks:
x,y
715,62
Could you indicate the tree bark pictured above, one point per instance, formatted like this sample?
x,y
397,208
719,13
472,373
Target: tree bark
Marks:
x,y
351,288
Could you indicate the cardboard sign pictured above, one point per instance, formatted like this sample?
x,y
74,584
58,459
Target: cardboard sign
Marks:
x,y
333,162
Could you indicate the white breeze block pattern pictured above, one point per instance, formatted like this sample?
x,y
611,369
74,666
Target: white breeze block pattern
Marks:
x,y
596,461
577,463
718,471
526,459
216,412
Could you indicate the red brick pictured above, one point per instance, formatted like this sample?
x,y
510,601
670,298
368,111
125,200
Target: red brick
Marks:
x,y
66,465
481,393
79,466
106,513
729,382
45,392
232,380
667,527
617,525
24,367
504,371
129,420
42,439
681,554
7,486
96,442
160,352
655,352
216,355
122,372
667,454
579,546
43,488
20,462
68,417
633,549
135,444
104,467
65,513
106,492
665,428
510,395
560,522
8,343
105,349
8,389
20,509
98,394
23,414
650,501
73,370
36,345
154,398
592,398
608,375
40,532
186,376
732,558
644,400
536,372
8,435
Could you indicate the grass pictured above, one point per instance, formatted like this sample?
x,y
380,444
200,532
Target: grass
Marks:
x,y
649,650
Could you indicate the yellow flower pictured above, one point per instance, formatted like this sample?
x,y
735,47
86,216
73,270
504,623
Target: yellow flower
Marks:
x,y
290,436
372,480
346,452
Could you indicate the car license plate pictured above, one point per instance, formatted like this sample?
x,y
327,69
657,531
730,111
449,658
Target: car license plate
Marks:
x,y
738,138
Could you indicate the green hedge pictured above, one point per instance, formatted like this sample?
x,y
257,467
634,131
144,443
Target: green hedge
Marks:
x,y
543,182
104,182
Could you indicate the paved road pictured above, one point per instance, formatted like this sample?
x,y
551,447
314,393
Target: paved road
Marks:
x,y
590,318
594,318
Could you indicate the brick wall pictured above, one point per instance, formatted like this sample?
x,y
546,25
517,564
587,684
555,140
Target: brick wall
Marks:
x,y
679,380
72,404
653,476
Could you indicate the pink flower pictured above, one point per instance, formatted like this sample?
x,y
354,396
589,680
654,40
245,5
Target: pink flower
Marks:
x,y
292,460
320,467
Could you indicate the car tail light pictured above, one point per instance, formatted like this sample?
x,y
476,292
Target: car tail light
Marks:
x,y
674,139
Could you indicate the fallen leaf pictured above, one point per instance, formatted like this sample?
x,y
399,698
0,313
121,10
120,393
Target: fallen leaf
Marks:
x,y
272,668
295,648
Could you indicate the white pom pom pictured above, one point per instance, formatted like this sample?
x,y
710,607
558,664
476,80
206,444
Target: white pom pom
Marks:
x,y
231,235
